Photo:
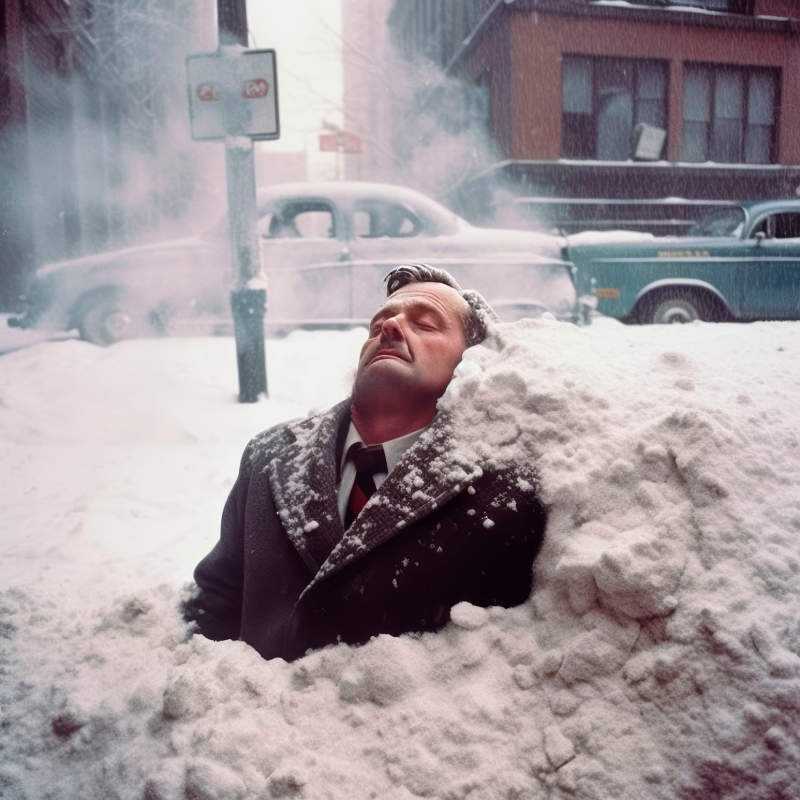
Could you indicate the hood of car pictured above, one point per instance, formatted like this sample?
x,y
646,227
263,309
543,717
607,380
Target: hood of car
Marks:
x,y
155,251
593,245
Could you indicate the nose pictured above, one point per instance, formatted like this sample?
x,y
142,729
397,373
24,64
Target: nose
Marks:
x,y
391,330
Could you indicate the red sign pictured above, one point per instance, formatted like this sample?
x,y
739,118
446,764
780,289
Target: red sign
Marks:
x,y
340,142
255,88
208,92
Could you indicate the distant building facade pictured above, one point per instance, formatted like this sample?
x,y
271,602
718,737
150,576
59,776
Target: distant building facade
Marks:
x,y
369,86
274,167
622,101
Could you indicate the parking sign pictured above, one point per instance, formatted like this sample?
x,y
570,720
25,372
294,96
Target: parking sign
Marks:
x,y
233,94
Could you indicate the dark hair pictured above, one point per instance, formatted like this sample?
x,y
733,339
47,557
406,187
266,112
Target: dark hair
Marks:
x,y
476,320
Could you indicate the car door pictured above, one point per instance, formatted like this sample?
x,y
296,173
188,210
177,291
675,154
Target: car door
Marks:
x,y
384,234
772,284
304,253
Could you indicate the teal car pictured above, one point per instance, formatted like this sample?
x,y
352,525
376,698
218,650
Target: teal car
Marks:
x,y
740,262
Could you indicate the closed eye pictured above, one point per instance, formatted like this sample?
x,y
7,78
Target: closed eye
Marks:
x,y
427,322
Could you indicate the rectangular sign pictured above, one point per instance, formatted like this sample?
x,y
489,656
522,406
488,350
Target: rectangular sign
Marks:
x,y
233,94
341,142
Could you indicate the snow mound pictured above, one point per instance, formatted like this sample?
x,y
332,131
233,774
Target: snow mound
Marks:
x,y
658,656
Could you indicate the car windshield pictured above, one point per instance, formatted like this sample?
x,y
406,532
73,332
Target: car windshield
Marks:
x,y
720,222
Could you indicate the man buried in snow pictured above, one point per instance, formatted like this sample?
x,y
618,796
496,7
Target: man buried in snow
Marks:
x,y
364,519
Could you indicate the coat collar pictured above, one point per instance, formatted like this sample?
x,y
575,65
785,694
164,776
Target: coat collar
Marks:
x,y
304,478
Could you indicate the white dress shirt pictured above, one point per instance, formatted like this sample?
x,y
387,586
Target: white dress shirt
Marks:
x,y
394,450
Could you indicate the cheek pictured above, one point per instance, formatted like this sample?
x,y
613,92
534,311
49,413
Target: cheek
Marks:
x,y
365,347
444,359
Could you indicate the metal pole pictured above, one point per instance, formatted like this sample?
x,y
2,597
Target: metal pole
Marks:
x,y
248,298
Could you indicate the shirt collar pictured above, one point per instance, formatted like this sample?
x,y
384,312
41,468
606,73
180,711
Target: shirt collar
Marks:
x,y
394,449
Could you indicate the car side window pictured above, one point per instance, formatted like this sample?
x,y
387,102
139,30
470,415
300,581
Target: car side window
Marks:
x,y
787,226
307,219
779,226
374,219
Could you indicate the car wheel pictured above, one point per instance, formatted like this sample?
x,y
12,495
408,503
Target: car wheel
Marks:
x,y
112,319
675,311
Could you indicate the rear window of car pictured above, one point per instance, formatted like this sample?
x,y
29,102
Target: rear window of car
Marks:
x,y
374,219
306,219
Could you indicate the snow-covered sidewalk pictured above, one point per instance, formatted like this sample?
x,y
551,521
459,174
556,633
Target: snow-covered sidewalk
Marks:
x,y
657,658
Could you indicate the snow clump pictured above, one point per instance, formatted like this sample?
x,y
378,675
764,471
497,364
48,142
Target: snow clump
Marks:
x,y
658,657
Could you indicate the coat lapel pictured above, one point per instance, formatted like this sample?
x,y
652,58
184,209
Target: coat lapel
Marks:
x,y
303,482
428,476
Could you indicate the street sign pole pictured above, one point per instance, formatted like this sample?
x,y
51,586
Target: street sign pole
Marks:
x,y
248,298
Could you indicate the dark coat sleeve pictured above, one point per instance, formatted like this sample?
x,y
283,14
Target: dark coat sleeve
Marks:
x,y
216,608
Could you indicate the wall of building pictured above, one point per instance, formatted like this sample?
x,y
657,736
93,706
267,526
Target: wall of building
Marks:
x,y
538,41
370,83
490,61
274,167
777,8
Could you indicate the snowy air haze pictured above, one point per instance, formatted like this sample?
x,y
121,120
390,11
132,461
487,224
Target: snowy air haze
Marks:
x,y
657,657
659,654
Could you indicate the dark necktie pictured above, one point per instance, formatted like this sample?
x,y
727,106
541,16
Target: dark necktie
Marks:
x,y
368,461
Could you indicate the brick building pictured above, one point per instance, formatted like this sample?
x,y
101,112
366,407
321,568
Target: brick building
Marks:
x,y
615,102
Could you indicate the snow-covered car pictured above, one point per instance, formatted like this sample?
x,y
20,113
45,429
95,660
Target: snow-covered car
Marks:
x,y
739,262
325,248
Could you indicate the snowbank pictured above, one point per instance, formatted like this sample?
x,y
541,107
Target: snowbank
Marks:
x,y
657,658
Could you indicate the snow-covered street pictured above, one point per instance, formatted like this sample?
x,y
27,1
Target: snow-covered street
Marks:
x,y
659,656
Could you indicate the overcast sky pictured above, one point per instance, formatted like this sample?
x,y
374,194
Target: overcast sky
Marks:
x,y
306,36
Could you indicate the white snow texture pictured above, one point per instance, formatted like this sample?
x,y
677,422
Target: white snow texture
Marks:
x,y
657,657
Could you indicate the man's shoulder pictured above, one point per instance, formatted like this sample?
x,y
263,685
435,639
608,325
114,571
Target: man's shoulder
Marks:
x,y
319,428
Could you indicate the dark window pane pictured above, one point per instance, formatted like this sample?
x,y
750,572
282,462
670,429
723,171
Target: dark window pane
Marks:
x,y
787,226
576,83
761,99
695,141
729,95
653,112
758,144
726,141
697,94
577,136
615,126
611,75
652,81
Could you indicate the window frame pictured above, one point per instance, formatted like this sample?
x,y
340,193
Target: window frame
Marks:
x,y
279,207
746,72
595,94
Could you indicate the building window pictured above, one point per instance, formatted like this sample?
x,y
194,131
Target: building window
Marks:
x,y
729,114
604,99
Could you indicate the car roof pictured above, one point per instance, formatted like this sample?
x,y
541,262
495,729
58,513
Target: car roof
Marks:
x,y
755,207
341,190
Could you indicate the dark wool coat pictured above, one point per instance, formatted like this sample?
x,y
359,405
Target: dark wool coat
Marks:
x,y
284,578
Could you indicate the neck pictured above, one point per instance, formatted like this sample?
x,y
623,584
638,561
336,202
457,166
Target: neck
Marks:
x,y
376,426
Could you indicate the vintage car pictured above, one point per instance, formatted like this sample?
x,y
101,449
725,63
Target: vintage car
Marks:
x,y
740,262
325,248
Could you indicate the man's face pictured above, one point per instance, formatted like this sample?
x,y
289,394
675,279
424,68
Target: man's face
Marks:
x,y
416,340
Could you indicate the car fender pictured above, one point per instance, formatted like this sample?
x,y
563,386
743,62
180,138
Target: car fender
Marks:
x,y
694,283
